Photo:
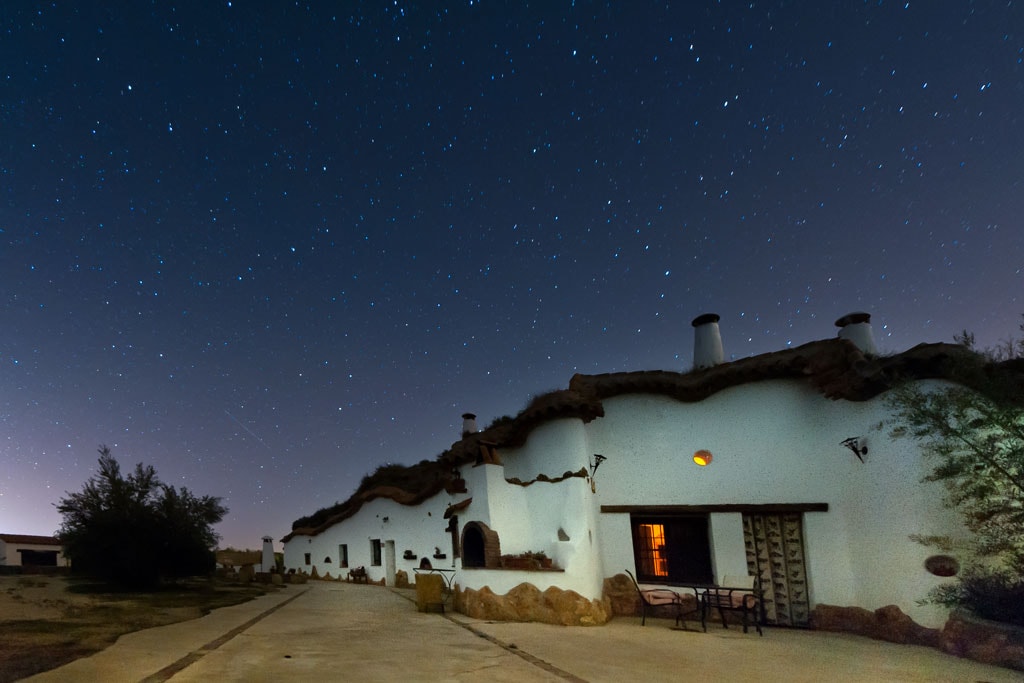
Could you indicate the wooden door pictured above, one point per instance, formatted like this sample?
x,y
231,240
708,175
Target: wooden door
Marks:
x,y
775,555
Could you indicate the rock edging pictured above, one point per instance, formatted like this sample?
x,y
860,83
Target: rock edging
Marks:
x,y
991,642
963,634
526,602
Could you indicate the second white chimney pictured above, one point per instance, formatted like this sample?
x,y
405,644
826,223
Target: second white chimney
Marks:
x,y
468,424
856,327
707,341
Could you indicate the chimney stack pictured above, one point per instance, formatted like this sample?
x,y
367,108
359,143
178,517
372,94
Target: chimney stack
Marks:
x,y
267,563
468,424
707,341
856,327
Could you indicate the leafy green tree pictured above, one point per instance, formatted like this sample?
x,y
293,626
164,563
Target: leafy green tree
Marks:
x,y
135,530
977,446
973,432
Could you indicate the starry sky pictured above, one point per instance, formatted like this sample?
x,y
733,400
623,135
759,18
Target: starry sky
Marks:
x,y
267,246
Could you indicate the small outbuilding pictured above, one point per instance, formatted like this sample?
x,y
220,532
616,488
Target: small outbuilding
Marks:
x,y
235,561
21,550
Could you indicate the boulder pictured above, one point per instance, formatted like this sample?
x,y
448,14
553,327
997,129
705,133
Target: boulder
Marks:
x,y
885,623
621,595
989,642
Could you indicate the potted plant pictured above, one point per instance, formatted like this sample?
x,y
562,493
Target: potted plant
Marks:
x,y
541,558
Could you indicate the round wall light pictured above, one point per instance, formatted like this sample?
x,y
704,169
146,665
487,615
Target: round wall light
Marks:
x,y
702,458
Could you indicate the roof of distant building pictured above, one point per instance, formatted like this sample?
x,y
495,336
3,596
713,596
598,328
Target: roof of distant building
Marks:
x,y
238,558
25,539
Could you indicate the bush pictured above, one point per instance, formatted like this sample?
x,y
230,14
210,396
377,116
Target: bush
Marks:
x,y
991,594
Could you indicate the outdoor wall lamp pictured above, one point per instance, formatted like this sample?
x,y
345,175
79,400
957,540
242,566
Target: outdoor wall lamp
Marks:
x,y
703,457
857,445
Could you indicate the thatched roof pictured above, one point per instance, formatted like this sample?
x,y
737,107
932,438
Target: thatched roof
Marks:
x,y
834,367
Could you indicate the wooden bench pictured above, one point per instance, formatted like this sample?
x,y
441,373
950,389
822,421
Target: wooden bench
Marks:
x,y
739,594
357,574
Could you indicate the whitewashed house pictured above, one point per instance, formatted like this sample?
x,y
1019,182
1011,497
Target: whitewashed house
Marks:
x,y
21,550
802,486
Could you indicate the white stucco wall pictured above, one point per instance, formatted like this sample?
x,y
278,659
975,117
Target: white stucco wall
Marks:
x,y
728,554
528,518
776,443
418,528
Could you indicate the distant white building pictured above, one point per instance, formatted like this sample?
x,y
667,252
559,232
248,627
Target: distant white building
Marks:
x,y
238,560
20,550
802,486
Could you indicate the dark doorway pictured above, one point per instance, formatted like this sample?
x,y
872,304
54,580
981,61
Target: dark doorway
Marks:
x,y
473,547
38,558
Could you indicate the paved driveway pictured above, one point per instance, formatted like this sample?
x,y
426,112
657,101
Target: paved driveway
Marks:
x,y
334,631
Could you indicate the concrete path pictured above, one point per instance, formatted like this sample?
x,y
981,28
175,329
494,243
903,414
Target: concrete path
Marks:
x,y
336,631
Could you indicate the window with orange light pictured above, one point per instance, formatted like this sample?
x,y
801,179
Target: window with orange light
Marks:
x,y
650,549
672,549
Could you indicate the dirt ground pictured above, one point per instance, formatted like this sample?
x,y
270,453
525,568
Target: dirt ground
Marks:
x,y
38,597
44,624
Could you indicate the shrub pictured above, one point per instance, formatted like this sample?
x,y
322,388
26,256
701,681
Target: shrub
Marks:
x,y
988,593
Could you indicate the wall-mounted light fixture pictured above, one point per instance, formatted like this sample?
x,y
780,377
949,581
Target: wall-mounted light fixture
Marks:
x,y
598,459
703,457
858,445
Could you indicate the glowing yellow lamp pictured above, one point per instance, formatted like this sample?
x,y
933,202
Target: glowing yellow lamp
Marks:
x,y
702,458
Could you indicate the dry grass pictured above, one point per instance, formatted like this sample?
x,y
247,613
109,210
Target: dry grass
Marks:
x,y
49,621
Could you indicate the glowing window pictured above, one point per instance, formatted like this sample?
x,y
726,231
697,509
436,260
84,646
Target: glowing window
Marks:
x,y
651,550
672,549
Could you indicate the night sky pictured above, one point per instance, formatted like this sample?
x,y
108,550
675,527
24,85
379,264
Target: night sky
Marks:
x,y
269,246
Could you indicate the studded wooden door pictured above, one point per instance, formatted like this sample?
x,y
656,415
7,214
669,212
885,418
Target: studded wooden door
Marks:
x,y
775,554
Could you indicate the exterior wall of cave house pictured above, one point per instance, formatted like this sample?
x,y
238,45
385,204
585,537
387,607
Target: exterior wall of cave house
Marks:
x,y
776,443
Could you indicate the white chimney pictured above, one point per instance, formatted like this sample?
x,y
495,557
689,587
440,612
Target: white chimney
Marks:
x,y
856,327
468,424
707,341
268,554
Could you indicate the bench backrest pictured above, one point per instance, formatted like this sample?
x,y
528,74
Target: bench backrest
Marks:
x,y
746,581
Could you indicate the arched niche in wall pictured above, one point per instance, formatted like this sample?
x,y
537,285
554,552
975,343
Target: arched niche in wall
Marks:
x,y
480,546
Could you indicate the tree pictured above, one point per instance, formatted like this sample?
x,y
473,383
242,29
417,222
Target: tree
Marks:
x,y
973,432
134,530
